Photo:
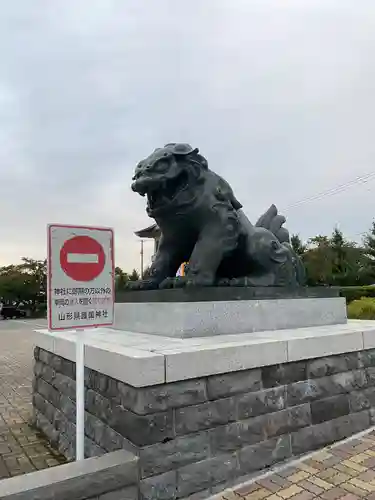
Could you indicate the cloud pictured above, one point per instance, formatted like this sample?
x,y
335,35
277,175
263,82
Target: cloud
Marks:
x,y
277,95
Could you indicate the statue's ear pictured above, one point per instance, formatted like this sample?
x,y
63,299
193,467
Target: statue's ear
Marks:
x,y
202,160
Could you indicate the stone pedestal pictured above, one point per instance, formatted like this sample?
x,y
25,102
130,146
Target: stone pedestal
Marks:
x,y
205,413
233,386
185,314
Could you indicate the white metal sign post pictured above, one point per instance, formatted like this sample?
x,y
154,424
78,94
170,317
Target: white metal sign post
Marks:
x,y
80,294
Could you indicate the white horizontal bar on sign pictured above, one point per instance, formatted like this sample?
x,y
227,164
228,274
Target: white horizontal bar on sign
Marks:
x,y
83,258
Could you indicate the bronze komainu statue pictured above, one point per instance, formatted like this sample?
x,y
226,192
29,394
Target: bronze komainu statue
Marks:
x,y
202,222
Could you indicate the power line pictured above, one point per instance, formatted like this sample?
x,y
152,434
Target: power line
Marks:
x,y
338,189
361,179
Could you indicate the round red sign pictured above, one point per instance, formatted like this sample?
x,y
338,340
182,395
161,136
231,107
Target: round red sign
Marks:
x,y
82,258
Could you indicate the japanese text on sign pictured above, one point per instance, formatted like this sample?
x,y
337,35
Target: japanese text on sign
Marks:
x,y
81,277
82,291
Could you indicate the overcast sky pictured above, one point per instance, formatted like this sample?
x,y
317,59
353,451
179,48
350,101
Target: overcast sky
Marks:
x,y
277,94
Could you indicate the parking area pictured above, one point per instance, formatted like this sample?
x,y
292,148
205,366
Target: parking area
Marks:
x,y
22,449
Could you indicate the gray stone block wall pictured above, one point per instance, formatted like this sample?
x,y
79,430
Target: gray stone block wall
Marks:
x,y
199,435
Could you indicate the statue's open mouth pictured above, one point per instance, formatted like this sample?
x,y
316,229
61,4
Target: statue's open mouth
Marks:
x,y
167,191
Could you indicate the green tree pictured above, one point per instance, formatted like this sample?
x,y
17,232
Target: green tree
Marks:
x,y
146,272
319,241
369,250
134,276
339,255
12,285
121,278
317,261
350,264
297,244
25,284
335,261
35,272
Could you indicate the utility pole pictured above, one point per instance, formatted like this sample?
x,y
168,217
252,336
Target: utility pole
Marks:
x,y
141,259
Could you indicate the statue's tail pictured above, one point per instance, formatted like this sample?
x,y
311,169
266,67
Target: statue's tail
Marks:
x,y
274,222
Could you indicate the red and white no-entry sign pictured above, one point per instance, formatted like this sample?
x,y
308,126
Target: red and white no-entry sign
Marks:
x,y
80,277
82,258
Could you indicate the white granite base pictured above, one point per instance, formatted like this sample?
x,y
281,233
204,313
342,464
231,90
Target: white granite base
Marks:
x,y
201,319
143,360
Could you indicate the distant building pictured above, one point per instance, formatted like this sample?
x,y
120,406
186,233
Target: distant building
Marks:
x,y
152,232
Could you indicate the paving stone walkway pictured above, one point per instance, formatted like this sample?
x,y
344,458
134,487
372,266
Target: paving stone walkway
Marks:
x,y
345,471
22,449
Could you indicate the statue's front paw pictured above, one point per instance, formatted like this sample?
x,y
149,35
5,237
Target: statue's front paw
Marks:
x,y
142,285
175,282
186,282
224,282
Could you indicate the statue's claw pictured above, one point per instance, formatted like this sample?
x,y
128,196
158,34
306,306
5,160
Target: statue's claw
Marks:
x,y
175,282
223,282
142,285
186,282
